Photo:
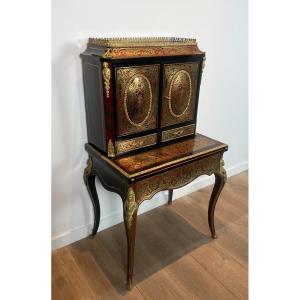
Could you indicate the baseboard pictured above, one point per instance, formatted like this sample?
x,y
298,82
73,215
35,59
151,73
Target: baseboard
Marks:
x,y
80,232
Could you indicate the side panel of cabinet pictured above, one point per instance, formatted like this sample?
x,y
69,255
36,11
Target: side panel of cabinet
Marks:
x,y
137,90
180,83
94,103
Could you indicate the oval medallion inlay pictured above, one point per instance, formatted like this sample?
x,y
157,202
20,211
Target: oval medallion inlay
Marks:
x,y
138,99
180,93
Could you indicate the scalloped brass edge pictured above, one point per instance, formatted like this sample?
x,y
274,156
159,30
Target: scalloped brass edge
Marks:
x,y
147,188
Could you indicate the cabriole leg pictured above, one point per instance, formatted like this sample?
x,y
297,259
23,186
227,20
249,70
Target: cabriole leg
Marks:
x,y
89,180
220,179
130,220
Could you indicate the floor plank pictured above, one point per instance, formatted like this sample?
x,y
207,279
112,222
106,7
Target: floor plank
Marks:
x,y
224,268
67,279
87,255
175,256
184,279
234,241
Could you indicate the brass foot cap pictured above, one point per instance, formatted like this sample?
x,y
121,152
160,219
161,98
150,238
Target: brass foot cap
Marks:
x,y
129,285
214,236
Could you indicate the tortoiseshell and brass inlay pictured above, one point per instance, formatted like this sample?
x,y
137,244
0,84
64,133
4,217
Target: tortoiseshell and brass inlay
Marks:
x,y
137,89
172,179
179,93
136,143
178,177
137,98
178,132
189,148
123,53
135,165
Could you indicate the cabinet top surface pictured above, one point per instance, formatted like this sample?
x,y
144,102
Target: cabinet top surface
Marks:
x,y
171,153
118,48
162,157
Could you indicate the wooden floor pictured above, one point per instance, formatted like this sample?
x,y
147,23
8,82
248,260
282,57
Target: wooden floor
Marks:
x,y
175,256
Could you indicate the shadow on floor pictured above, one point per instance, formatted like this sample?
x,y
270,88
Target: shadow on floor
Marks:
x,y
162,237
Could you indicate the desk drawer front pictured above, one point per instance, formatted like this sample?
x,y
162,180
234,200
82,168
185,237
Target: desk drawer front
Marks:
x,y
177,177
136,143
179,132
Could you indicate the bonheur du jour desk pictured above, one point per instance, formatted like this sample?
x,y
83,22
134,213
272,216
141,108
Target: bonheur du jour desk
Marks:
x,y
138,177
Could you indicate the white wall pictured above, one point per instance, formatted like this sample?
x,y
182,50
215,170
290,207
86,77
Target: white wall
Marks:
x,y
221,30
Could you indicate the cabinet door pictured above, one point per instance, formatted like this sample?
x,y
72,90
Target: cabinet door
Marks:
x,y
136,98
180,82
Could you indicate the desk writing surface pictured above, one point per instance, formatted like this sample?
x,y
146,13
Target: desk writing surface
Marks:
x,y
194,146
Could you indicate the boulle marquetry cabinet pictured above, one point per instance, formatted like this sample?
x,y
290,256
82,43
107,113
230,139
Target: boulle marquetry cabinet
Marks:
x,y
140,93
141,101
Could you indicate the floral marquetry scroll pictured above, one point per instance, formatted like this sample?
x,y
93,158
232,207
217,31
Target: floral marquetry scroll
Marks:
x,y
180,93
150,51
179,88
136,143
137,98
178,177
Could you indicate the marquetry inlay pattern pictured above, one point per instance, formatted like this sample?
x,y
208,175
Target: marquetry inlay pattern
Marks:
x,y
176,178
179,93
